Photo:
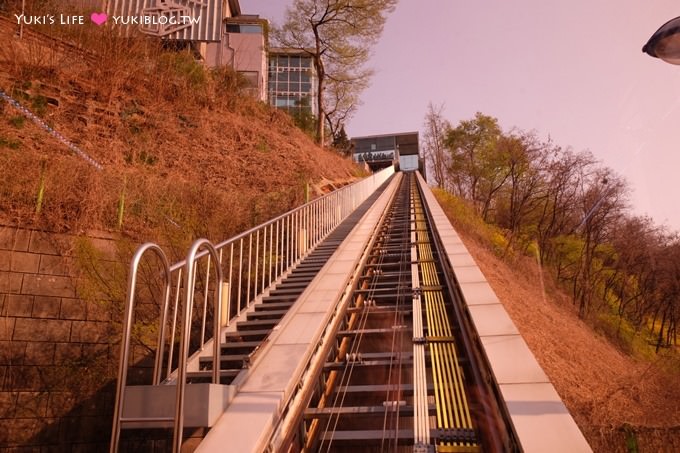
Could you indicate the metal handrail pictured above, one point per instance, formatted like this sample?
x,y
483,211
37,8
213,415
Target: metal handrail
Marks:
x,y
382,176
127,327
189,284
248,264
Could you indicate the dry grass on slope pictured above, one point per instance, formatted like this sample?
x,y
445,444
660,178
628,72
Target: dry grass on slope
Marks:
x,y
615,399
179,144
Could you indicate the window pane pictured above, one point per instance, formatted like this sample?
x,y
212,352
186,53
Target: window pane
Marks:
x,y
251,77
251,28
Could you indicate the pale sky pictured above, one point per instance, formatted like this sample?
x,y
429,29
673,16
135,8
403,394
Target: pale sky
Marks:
x,y
573,71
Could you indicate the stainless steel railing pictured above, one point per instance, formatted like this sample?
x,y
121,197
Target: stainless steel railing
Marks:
x,y
245,267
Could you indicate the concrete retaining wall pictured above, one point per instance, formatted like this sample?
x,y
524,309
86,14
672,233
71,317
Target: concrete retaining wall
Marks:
x,y
56,351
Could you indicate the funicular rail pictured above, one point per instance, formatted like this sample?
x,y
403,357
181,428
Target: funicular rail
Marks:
x,y
400,375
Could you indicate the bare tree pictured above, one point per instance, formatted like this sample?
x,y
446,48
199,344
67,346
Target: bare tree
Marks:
x,y
342,100
434,145
337,35
526,162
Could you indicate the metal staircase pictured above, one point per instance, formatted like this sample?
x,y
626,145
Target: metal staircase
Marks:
x,y
237,291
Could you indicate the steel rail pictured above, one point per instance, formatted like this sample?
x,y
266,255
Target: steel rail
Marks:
x,y
496,433
358,317
355,342
453,411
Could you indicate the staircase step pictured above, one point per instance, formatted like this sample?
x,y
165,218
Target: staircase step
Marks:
x,y
207,374
311,266
233,346
290,285
206,362
280,298
299,280
273,306
266,314
247,334
257,324
303,272
285,290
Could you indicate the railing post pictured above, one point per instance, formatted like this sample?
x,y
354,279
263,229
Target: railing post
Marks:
x,y
226,298
302,243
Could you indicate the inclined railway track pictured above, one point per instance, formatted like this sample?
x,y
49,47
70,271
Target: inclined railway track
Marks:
x,y
367,342
403,373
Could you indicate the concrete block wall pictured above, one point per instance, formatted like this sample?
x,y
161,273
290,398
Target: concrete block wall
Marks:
x,y
50,342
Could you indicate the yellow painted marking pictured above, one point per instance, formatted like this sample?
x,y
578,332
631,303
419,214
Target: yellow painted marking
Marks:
x,y
453,411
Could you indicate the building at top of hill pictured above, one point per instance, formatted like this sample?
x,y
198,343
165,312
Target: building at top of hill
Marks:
x,y
380,151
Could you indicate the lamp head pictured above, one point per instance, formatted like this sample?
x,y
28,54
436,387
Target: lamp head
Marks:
x,y
665,42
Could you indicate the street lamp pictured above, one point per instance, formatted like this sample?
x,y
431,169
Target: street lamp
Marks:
x,y
665,42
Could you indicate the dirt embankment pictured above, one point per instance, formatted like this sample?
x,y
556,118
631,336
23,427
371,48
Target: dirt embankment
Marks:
x,y
179,144
617,401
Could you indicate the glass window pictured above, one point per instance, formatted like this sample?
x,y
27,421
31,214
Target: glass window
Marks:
x,y
251,28
294,76
305,87
233,28
283,60
282,76
251,77
385,143
294,61
305,62
304,76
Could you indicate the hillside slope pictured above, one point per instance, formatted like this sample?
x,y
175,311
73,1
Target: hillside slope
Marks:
x,y
617,401
179,145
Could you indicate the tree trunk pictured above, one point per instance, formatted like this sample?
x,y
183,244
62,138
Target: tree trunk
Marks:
x,y
319,109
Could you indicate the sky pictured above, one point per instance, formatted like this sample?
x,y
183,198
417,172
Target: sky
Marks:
x,y
571,71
